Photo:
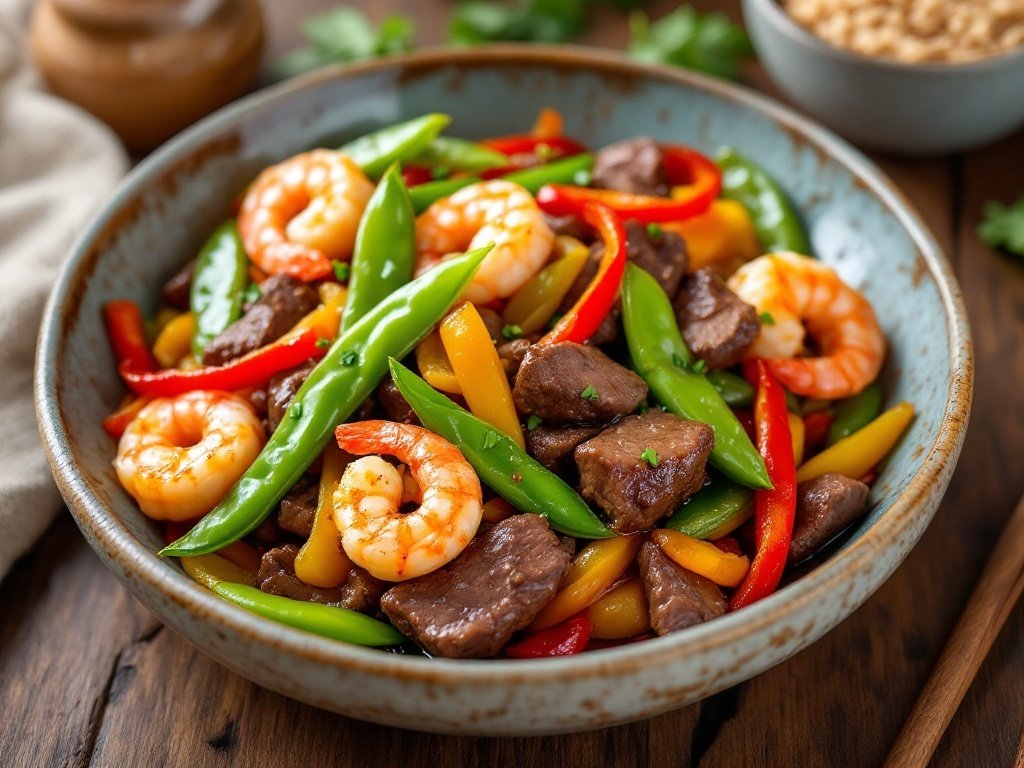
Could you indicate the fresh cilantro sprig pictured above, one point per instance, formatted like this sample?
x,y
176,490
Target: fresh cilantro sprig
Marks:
x,y
342,35
708,43
542,21
1002,226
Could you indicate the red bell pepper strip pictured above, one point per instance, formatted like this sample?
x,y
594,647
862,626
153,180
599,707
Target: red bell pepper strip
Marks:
x,y
816,426
250,370
413,175
127,336
586,315
774,510
701,179
116,423
558,146
563,639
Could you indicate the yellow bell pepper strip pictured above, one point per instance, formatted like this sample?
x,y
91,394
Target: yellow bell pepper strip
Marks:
x,y
175,340
702,557
497,509
209,569
723,236
533,305
797,432
620,613
854,456
479,371
434,365
326,318
321,561
596,567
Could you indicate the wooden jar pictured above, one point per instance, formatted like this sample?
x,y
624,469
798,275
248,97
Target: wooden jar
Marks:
x,y
148,68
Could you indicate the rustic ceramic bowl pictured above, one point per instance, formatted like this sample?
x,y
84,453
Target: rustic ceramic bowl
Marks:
x,y
161,213
908,108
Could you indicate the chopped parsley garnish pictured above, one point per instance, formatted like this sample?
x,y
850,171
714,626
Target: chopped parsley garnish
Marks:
x,y
699,367
654,231
349,357
252,294
533,421
490,440
323,343
589,393
341,270
766,318
650,456
511,332
680,362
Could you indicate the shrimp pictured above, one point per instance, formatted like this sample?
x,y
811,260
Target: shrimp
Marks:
x,y
803,295
300,214
496,211
375,533
180,455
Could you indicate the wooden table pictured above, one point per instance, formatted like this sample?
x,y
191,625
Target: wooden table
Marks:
x,y
87,676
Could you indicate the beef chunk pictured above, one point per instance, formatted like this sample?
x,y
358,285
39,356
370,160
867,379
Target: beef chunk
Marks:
x,y
284,302
633,166
717,324
824,506
282,388
676,597
551,445
177,291
268,533
570,225
634,494
361,592
512,354
568,383
297,509
472,606
395,406
664,256
493,323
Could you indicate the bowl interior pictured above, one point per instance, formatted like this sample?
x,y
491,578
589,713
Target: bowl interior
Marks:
x,y
160,216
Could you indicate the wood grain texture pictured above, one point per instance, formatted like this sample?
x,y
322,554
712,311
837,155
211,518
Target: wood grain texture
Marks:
x,y
86,676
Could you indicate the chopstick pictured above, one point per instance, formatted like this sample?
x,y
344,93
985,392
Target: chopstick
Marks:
x,y
990,604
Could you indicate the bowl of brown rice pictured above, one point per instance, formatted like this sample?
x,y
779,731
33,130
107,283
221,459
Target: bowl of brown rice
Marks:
x,y
909,76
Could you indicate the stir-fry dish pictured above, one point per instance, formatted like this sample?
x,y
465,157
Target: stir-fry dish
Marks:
x,y
502,398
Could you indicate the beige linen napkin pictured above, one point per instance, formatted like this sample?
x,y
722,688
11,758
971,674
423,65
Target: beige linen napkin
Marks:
x,y
57,164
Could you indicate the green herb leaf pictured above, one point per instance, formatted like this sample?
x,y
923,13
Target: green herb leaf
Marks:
x,y
654,231
511,332
650,456
349,357
548,21
323,343
490,440
341,270
589,393
766,318
533,421
342,35
708,43
699,366
680,362
253,293
1003,226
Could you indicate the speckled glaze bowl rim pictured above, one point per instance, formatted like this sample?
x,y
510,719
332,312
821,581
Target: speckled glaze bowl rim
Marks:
x,y
799,34
108,535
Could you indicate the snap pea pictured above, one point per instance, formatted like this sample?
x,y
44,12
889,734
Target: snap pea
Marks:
x,y
734,389
775,219
327,620
855,412
459,155
218,285
665,363
515,475
337,386
716,510
376,151
385,250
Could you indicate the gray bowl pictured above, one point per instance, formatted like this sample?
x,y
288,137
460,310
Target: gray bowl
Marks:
x,y
908,108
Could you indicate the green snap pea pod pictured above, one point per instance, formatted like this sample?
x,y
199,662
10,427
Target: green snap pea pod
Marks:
x,y
218,285
734,389
425,195
515,475
775,219
337,623
855,412
339,384
716,510
663,360
562,171
376,151
385,250
459,155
